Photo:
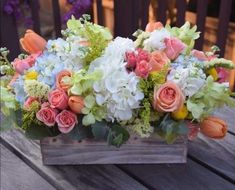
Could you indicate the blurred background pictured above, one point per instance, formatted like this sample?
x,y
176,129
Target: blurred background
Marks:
x,y
215,18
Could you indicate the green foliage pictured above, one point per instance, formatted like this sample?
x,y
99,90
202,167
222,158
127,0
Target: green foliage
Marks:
x,y
141,37
6,67
93,33
170,129
219,62
100,130
211,96
186,34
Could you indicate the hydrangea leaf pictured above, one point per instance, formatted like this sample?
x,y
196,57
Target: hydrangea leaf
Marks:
x,y
88,119
100,130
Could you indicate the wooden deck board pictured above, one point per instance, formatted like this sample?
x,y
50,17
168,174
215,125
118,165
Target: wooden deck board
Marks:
x,y
16,175
69,177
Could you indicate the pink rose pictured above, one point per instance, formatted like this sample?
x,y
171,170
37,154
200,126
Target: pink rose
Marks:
x,y
29,101
200,55
168,97
20,65
173,47
58,99
142,69
47,115
223,74
157,60
66,121
142,55
131,60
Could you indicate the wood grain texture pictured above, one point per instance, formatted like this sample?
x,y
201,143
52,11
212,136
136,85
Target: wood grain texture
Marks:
x,y
91,177
15,174
218,154
63,151
228,114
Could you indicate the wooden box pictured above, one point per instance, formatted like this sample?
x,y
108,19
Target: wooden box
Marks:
x,y
63,151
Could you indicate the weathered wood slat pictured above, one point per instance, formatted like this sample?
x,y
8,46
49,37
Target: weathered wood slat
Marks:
x,y
144,13
15,174
181,6
56,17
69,177
218,154
201,18
63,151
161,11
224,16
34,4
190,176
100,15
228,114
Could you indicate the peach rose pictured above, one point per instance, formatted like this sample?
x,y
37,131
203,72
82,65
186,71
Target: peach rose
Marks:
x,y
213,127
142,69
66,121
29,101
32,42
173,47
58,99
76,103
59,80
20,65
168,97
157,60
47,115
151,26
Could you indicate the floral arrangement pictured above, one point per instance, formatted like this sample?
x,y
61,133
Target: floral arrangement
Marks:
x,y
86,85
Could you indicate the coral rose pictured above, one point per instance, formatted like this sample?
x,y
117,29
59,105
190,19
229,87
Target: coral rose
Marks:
x,y
157,60
213,127
142,69
131,60
32,42
76,103
173,47
58,99
47,115
151,26
59,80
168,98
66,121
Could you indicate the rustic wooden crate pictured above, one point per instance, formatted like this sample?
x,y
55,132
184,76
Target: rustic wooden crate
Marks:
x,y
63,151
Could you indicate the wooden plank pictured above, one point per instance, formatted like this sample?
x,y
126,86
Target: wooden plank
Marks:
x,y
8,33
144,13
63,151
69,177
201,18
181,6
15,174
224,16
217,154
177,177
34,5
100,15
161,11
227,114
56,17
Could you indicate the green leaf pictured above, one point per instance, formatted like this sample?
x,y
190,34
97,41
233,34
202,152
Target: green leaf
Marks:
x,y
85,110
79,132
88,119
89,101
38,132
117,135
118,140
100,130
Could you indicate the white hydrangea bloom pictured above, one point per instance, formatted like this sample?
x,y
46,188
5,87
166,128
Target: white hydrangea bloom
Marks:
x,y
189,79
156,40
117,90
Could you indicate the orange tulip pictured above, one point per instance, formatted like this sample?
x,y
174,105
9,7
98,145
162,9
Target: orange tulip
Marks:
x,y
214,127
76,103
151,26
32,42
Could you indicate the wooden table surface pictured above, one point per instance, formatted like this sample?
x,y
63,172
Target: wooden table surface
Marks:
x,y
210,166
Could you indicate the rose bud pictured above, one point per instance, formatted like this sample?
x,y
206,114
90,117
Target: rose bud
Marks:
x,y
151,26
76,103
214,127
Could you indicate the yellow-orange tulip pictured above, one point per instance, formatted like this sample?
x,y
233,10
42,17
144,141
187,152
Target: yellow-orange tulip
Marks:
x,y
214,127
76,103
32,42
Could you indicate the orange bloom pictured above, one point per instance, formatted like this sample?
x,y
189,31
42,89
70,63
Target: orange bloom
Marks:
x,y
59,82
214,127
157,60
151,26
32,42
168,98
76,103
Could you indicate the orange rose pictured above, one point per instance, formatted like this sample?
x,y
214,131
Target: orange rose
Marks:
x,y
168,98
32,42
151,26
59,80
76,103
157,60
213,127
